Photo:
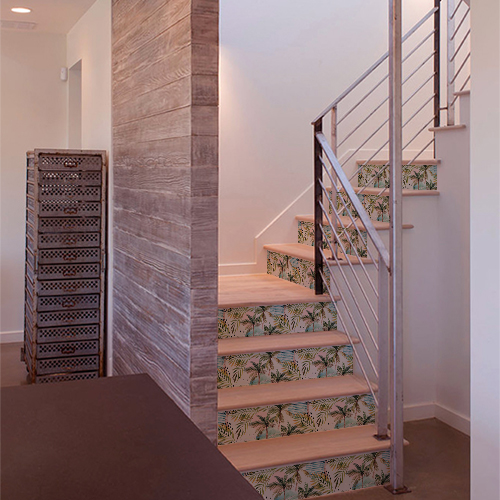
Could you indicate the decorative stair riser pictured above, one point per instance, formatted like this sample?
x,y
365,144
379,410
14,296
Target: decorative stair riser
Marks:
x,y
415,177
276,421
348,237
418,177
292,269
313,479
283,366
277,319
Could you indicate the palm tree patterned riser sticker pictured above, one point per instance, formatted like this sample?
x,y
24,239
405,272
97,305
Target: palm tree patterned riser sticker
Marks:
x,y
283,366
313,479
352,238
275,421
289,268
418,177
276,320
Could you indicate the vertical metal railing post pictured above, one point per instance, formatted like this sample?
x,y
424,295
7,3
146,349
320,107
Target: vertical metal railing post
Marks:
x,y
396,247
450,61
437,64
318,212
383,351
334,140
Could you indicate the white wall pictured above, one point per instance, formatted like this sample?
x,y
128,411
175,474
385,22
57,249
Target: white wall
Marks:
x,y
33,115
281,64
485,249
89,41
452,273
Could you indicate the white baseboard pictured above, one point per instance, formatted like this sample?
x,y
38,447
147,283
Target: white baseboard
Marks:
x,y
11,337
419,412
435,410
453,419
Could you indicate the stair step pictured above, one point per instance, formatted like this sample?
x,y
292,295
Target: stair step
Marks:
x,y
257,455
247,345
346,221
425,161
290,392
263,289
372,191
306,252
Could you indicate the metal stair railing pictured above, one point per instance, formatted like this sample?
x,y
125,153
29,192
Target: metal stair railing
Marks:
x,y
384,122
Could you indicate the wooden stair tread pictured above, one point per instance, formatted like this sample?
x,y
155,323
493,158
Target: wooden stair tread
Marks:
x,y
378,225
385,192
253,290
303,448
285,342
290,392
447,128
424,161
306,252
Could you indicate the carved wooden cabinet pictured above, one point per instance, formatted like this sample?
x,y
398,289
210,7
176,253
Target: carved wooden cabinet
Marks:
x,y
64,334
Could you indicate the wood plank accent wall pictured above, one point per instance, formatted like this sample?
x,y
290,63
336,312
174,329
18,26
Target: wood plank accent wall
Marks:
x,y
165,144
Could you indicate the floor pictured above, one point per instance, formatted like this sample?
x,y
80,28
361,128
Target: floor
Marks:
x,y
437,460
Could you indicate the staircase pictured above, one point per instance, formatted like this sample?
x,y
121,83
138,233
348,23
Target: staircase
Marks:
x,y
303,356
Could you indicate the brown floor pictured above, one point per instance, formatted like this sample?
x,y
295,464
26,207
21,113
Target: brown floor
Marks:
x,y
436,462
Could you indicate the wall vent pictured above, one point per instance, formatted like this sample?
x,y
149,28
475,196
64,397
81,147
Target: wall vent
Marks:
x,y
17,25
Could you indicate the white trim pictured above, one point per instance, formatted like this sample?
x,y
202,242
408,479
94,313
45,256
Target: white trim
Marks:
x,y
434,410
419,412
453,419
11,337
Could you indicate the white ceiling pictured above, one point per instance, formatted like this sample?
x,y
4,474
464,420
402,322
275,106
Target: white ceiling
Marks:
x,y
51,16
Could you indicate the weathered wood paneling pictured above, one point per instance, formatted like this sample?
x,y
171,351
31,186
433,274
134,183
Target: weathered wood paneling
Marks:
x,y
165,145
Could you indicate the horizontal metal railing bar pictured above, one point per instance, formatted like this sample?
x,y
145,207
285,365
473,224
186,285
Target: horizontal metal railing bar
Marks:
x,y
419,110
360,260
376,109
457,29
419,153
418,46
461,89
347,332
383,169
454,13
373,67
358,149
460,69
362,99
372,232
367,162
419,89
418,68
344,303
354,130
339,240
334,186
349,263
453,57
368,94
418,133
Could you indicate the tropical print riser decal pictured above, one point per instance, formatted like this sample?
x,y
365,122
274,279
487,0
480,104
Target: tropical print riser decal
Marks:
x,y
422,177
324,477
269,422
277,320
350,237
283,366
289,268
